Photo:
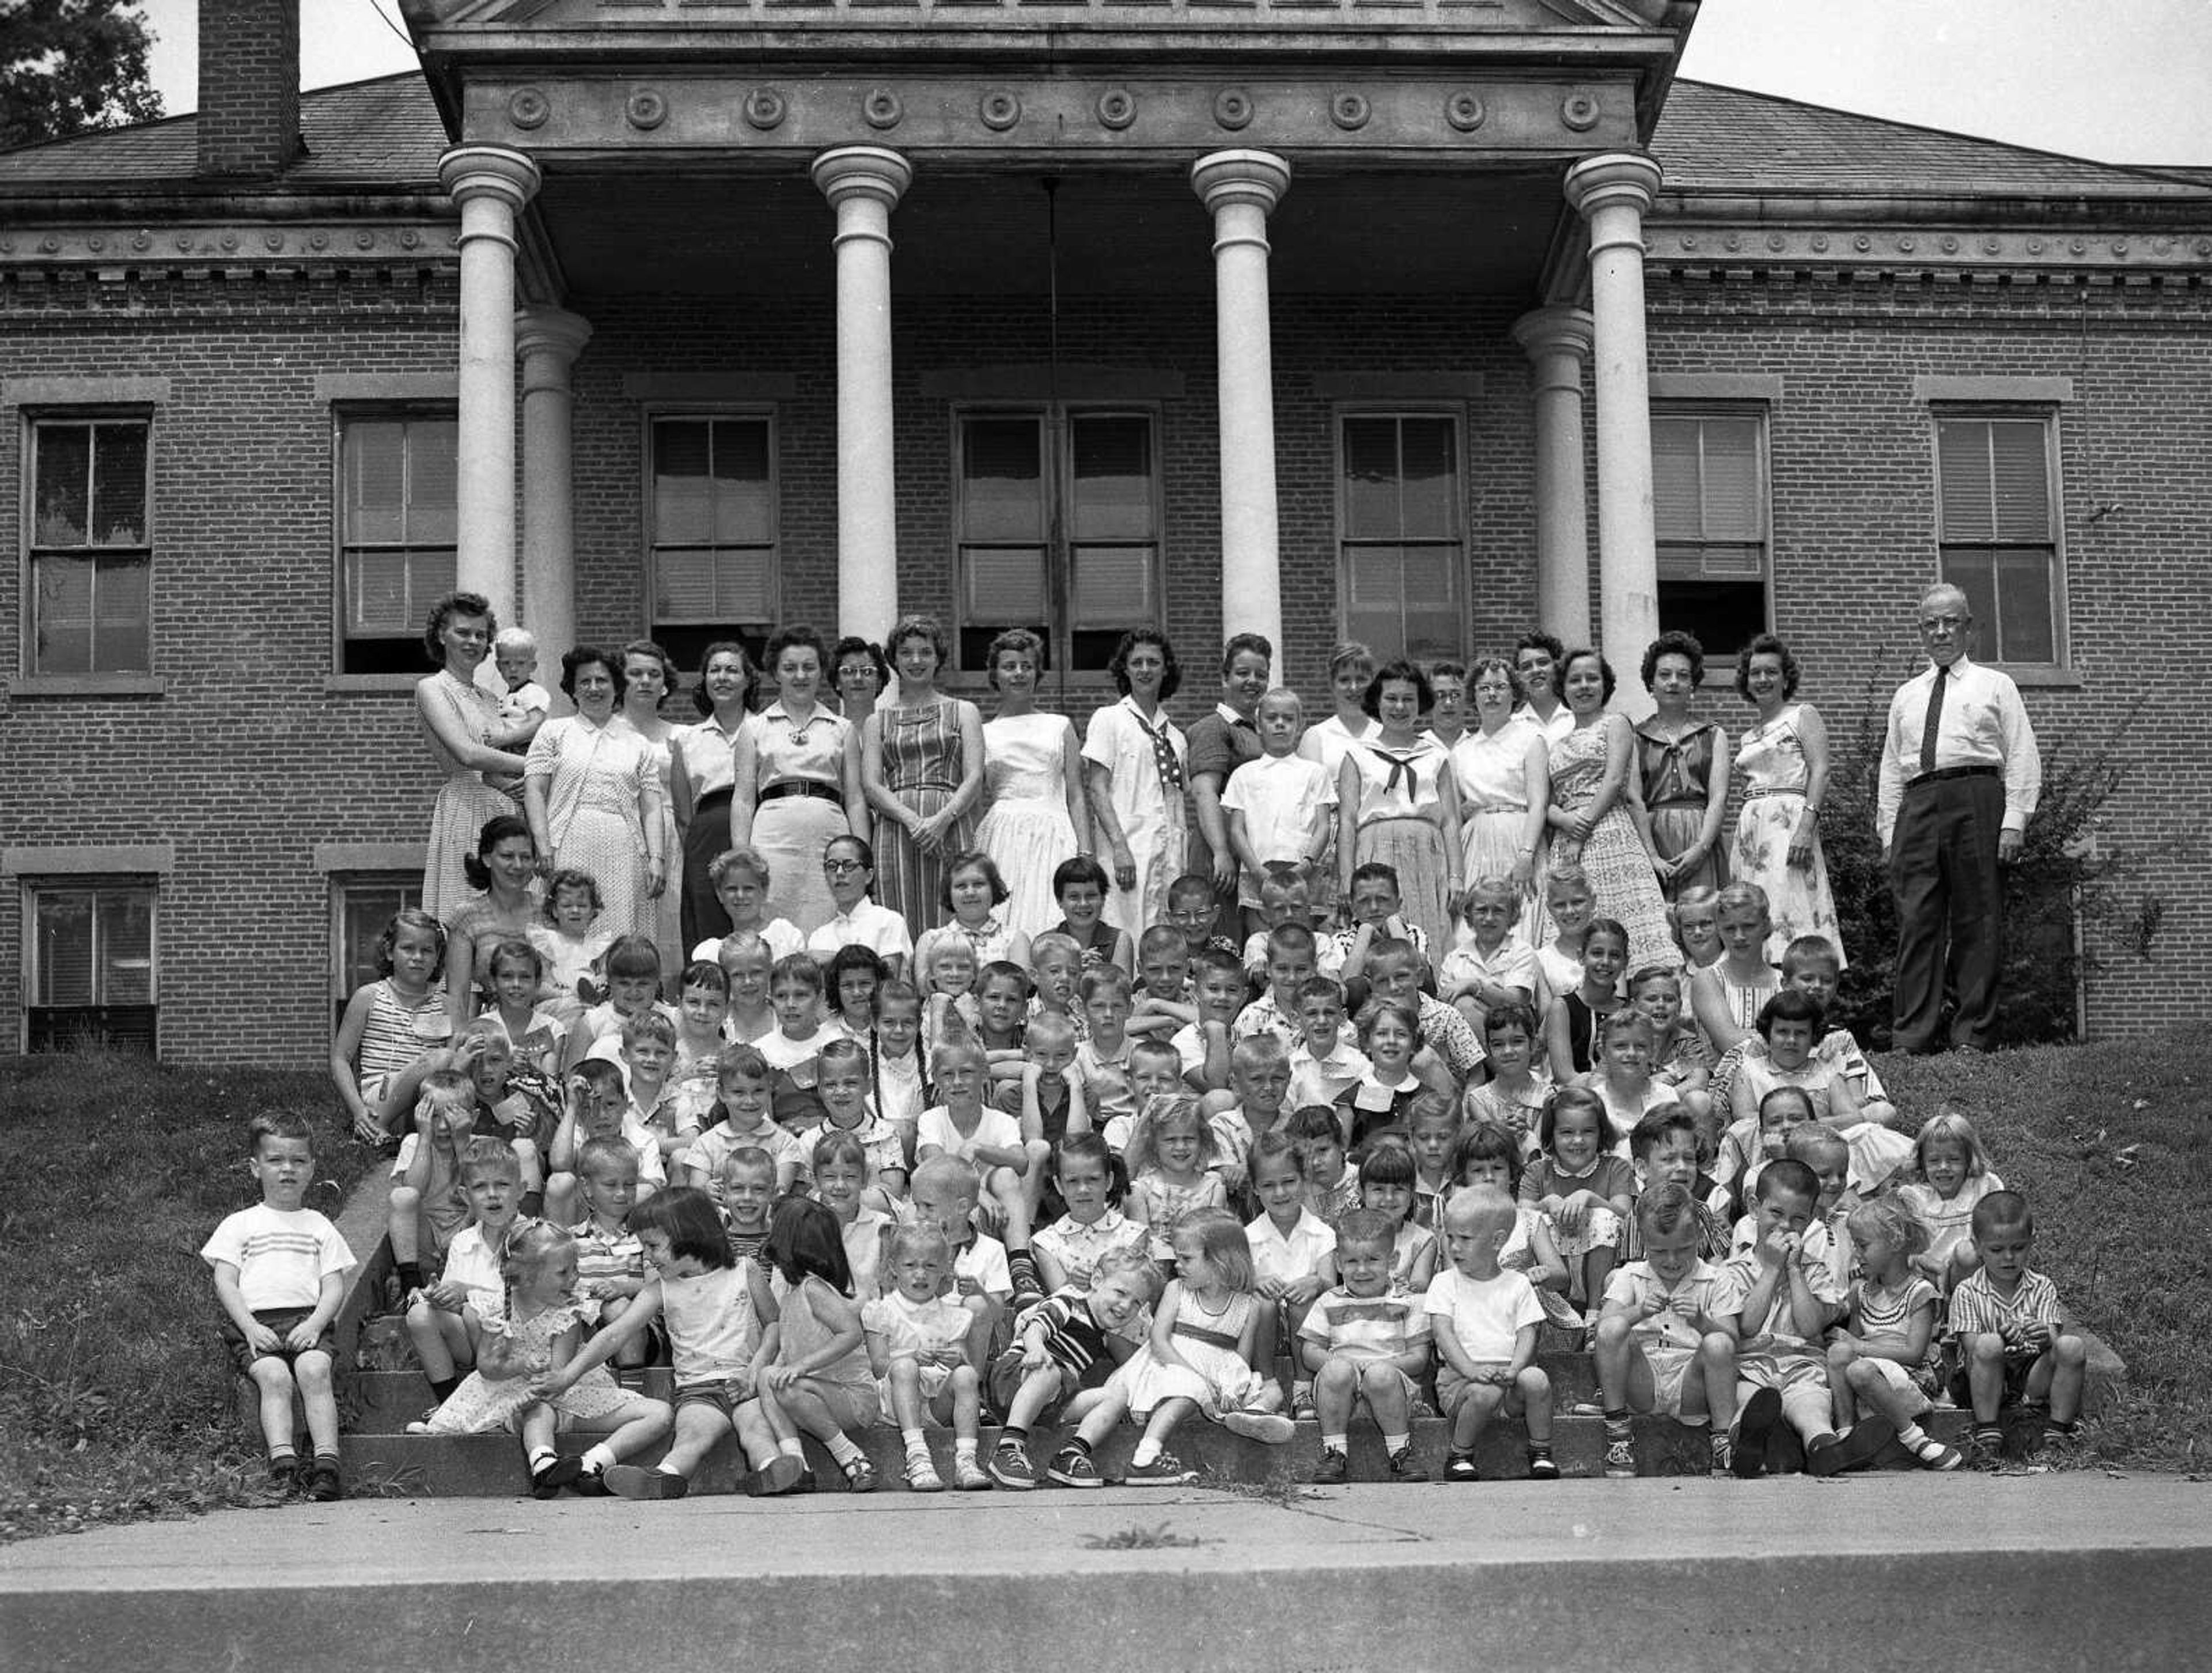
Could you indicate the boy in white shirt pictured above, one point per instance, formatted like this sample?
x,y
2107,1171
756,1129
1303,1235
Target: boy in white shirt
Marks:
x,y
1484,1319
279,1274
1325,1063
1279,806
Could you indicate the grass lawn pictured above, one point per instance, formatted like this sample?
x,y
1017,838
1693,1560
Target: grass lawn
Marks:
x,y
115,1395
115,1398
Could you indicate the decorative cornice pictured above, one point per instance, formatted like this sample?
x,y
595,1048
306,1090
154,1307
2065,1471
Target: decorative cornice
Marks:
x,y
1679,244
228,244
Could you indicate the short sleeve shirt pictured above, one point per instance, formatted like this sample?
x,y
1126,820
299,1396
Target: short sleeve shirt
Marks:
x,y
282,1258
1487,1314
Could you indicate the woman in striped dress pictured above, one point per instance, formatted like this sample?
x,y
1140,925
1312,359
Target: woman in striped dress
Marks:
x,y
921,765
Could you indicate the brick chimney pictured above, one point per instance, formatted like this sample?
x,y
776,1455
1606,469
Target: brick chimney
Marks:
x,y
249,117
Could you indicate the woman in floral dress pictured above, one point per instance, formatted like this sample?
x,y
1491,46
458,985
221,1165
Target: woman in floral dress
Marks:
x,y
1784,759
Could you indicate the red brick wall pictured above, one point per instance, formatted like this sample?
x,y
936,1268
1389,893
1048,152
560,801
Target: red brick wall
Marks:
x,y
249,115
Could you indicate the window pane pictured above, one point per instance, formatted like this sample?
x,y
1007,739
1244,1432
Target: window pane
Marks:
x,y
63,643
1972,570
119,496
62,512
1113,586
1005,586
2019,479
126,934
121,629
65,947
1113,495
683,501
712,586
364,908
741,509
2026,623
1676,494
433,467
388,593
1370,479
1002,489
1734,504
1724,615
1427,507
375,457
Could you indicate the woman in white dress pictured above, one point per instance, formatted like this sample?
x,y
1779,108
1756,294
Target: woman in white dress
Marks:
x,y
703,767
1134,770
461,720
593,790
796,784
1033,786
648,675
1500,764
1784,759
1397,806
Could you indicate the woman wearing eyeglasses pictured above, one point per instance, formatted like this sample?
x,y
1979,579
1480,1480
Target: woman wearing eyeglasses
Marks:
x,y
797,782
848,867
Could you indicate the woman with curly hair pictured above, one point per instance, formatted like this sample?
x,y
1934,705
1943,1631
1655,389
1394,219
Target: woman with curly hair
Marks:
x,y
1033,776
1590,823
1135,766
703,766
921,765
594,790
461,720
1784,759
1680,798
1397,805
796,782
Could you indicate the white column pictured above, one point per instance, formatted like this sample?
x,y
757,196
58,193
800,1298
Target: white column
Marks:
x,y
864,184
549,340
1240,189
491,185
1557,340
1612,193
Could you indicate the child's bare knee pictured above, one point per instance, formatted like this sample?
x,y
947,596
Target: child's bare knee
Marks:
x,y
1988,1349
270,1374
2070,1351
1532,1383
1612,1331
1841,1354
313,1372
1716,1347
406,1202
1380,1378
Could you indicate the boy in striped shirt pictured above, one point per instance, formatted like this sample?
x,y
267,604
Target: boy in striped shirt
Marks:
x,y
2014,1344
1365,1341
1064,1345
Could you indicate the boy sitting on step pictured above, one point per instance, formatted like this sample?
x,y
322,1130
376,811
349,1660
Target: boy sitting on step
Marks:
x,y
1366,1341
1666,1333
2012,1341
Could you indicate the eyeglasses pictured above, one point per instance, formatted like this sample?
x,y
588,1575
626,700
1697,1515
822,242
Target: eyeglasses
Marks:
x,y
839,867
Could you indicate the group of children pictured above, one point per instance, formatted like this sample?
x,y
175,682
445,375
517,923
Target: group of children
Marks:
x,y
1247,1180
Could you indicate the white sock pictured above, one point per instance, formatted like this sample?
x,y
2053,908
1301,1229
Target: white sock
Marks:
x,y
1146,1451
540,1457
1394,1444
964,1449
1337,1443
1913,1435
842,1447
914,1444
598,1458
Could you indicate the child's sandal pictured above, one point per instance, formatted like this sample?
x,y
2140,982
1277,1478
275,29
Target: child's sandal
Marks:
x,y
859,1475
1461,1467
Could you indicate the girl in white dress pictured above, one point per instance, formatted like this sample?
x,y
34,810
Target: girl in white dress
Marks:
x,y
1032,785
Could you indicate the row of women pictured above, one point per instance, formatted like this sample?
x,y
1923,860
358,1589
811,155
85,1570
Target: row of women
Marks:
x,y
1511,762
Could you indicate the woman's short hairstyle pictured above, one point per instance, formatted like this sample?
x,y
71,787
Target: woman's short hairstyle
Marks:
x,y
1399,670
577,658
1241,642
1170,681
704,703
1766,644
653,649
748,860
1537,639
1675,642
1349,654
442,615
798,633
852,645
918,626
1013,640
1496,664
1606,680
501,828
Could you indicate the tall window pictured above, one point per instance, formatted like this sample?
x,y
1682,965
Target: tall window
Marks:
x,y
1058,531
1999,545
361,907
1401,546
396,535
1709,492
91,547
92,965
714,522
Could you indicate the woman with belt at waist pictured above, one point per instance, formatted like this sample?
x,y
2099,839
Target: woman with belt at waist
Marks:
x,y
703,765
795,782
921,765
1680,798
1784,759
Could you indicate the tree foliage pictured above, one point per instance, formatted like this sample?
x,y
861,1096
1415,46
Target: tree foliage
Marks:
x,y
68,66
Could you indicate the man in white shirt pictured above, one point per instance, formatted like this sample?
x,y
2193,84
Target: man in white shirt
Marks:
x,y
1959,777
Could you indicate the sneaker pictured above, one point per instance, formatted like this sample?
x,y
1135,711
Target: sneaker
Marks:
x,y
1543,1467
1405,1467
1762,1416
1071,1468
1932,1454
1334,1470
1010,1467
1165,1470
1273,1428
860,1476
1461,1467
969,1476
321,1481
1620,1458
547,1483
1866,1441
635,1481
1302,1403
1987,1447
1724,1455
922,1475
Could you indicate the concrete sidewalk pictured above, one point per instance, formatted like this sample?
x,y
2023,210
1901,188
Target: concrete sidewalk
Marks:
x,y
1882,1571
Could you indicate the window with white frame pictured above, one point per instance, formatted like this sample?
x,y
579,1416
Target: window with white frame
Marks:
x,y
361,906
1401,534
397,524
91,957
713,523
1057,530
1710,508
90,543
1997,511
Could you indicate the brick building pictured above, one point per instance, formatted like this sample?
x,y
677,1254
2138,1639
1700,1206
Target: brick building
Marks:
x,y
1419,324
